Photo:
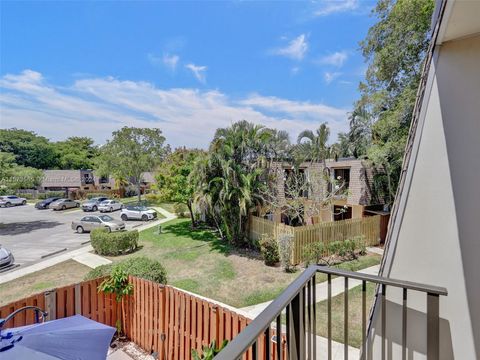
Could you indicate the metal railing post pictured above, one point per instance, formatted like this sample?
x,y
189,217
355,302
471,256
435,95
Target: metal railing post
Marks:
x,y
297,350
433,328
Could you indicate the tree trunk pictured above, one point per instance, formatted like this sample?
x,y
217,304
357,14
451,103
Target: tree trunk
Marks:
x,y
189,205
138,189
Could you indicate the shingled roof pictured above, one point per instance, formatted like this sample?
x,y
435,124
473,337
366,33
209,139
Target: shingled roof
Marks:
x,y
61,178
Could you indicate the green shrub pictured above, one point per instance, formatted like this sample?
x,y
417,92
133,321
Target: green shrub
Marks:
x,y
269,250
141,267
180,209
28,196
113,243
314,252
5,190
209,352
153,198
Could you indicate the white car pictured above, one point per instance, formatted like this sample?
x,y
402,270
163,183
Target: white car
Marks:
x,y
138,212
110,205
11,200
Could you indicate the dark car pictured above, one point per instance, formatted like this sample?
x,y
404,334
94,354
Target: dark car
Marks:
x,y
45,203
6,257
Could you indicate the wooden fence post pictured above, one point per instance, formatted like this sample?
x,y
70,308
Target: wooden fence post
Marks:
x,y
78,299
51,304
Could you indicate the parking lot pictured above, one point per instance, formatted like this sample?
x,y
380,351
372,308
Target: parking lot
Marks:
x,y
33,235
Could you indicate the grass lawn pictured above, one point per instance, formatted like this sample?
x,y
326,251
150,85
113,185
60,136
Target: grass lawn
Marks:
x,y
62,274
197,261
354,315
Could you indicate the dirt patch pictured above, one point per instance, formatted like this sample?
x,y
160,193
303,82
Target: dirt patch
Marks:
x,y
62,274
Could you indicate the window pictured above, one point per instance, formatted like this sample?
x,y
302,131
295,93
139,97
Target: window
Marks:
x,y
341,178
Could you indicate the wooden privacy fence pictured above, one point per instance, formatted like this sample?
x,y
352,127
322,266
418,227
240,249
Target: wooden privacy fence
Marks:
x,y
326,232
158,318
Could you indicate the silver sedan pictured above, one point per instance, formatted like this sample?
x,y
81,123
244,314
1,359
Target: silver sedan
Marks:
x,y
88,223
64,204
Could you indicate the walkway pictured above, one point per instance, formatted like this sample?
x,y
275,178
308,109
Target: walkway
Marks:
x,y
338,286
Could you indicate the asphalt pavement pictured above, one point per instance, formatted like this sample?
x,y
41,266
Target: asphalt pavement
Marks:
x,y
34,235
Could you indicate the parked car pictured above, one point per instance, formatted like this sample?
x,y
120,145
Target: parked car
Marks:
x,y
93,203
88,223
44,204
12,200
110,205
136,212
6,257
64,204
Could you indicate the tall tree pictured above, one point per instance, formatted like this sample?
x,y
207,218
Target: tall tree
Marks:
x,y
131,152
228,180
313,146
395,49
29,148
173,178
76,153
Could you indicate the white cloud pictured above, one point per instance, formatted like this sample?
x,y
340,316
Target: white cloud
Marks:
x,y
167,60
95,107
330,76
198,71
296,48
328,7
336,59
171,61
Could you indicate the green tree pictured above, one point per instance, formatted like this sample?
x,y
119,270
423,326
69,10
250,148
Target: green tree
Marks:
x,y
131,152
29,148
313,146
228,181
24,177
7,162
173,179
76,153
395,49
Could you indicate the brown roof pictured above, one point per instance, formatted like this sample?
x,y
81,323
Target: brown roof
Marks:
x,y
61,178
147,177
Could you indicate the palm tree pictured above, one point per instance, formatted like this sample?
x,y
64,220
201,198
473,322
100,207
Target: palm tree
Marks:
x,y
230,178
315,148
360,133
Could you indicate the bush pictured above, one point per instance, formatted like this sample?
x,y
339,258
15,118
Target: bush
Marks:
x,y
28,196
285,247
269,250
314,252
113,243
180,210
141,267
335,251
5,190
131,191
153,198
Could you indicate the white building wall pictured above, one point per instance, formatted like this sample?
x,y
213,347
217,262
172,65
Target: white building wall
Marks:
x,y
438,238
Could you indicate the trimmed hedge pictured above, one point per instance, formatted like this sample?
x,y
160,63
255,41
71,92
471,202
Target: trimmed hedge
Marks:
x,y
141,267
113,243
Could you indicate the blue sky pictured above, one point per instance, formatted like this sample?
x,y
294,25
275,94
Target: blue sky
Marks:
x,y
88,68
